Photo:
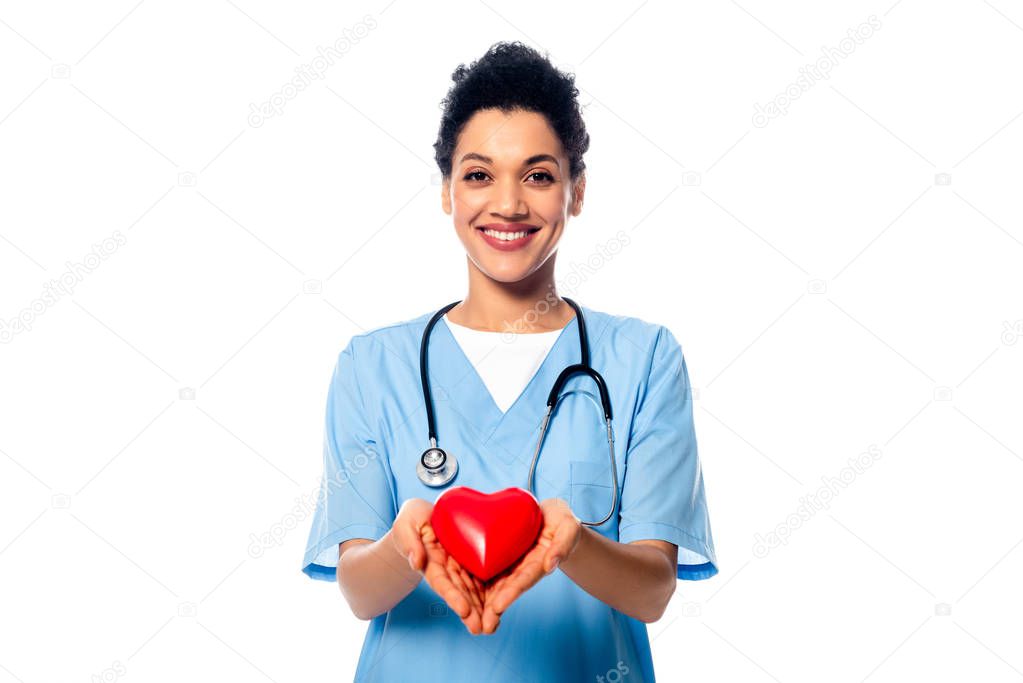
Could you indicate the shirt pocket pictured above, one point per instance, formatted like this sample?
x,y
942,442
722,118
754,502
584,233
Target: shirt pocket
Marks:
x,y
590,491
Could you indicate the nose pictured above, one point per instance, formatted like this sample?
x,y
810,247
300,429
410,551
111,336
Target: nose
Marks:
x,y
507,200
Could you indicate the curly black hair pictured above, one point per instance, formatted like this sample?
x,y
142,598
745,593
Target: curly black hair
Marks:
x,y
512,76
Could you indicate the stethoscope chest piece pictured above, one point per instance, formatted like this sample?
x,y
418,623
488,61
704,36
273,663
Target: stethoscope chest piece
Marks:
x,y
436,467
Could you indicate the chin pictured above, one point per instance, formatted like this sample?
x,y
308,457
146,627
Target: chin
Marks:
x,y
507,273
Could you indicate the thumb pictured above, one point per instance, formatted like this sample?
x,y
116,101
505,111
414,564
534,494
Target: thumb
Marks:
x,y
415,558
561,545
417,549
412,517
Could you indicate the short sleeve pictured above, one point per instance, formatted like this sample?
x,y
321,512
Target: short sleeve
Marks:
x,y
355,498
663,495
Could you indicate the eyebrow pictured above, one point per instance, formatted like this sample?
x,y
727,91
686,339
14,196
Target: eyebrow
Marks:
x,y
536,158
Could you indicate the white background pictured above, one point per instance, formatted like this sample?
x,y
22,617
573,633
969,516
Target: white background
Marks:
x,y
833,291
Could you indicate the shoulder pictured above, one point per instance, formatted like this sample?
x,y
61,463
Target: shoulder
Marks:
x,y
391,337
629,332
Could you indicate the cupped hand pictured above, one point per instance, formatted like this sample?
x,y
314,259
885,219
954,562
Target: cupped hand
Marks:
x,y
477,603
462,591
415,539
558,537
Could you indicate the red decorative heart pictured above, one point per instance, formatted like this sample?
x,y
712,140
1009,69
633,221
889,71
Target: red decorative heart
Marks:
x,y
486,533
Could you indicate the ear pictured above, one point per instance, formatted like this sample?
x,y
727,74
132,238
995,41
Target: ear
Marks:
x,y
578,191
445,195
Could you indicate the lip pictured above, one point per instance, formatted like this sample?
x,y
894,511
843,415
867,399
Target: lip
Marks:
x,y
508,245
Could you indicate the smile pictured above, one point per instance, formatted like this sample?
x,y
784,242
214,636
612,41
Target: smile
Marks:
x,y
508,240
507,236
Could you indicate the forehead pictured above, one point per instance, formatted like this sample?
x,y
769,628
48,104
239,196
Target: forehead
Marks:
x,y
507,138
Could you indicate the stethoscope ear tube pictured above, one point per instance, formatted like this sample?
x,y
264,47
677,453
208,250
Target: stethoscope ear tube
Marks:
x,y
423,374
559,383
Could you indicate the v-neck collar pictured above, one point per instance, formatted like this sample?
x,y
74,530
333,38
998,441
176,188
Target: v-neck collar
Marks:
x,y
457,377
479,345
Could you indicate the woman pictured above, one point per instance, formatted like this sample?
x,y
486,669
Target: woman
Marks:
x,y
574,608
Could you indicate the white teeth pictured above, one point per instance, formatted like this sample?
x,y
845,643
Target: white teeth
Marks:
x,y
506,236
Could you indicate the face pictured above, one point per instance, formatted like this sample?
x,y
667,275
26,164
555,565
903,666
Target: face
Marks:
x,y
510,193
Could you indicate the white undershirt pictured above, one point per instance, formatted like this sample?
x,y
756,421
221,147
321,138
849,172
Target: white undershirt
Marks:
x,y
505,362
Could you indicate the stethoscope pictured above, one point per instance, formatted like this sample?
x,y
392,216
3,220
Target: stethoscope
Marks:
x,y
437,467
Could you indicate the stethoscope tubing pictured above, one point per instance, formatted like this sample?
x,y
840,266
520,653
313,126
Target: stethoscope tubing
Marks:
x,y
583,367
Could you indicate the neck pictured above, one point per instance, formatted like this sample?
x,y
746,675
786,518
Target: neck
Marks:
x,y
530,305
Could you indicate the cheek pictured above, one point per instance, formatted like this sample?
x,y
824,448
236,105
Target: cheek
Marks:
x,y
465,208
551,208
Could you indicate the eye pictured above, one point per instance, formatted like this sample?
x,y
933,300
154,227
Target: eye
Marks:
x,y
544,175
471,175
535,178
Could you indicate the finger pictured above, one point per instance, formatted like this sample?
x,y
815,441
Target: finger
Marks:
x,y
503,599
408,534
473,621
472,587
491,620
425,548
454,574
481,590
432,548
559,547
515,585
417,555
457,601
439,580
463,580
478,585
530,563
439,577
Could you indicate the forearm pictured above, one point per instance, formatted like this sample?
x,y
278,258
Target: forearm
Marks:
x,y
374,577
637,580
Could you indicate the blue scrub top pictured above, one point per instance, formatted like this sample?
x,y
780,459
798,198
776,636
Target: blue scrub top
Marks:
x,y
376,432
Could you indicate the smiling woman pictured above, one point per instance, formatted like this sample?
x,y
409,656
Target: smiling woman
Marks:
x,y
510,147
575,606
531,192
